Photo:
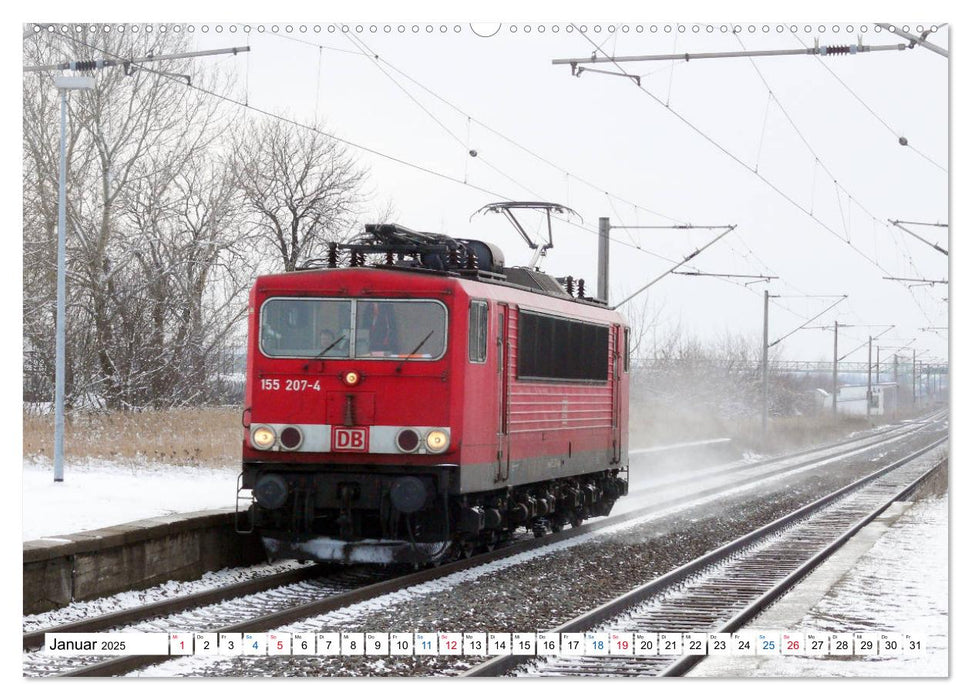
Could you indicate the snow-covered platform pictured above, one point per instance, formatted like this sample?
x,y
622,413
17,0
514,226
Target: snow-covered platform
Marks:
x,y
134,555
892,576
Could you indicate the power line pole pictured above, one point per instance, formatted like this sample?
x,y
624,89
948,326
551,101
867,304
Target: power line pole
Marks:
x,y
765,368
63,84
920,381
913,379
896,387
603,260
869,377
836,331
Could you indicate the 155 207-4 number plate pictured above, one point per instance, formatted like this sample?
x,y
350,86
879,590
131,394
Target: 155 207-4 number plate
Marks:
x,y
287,384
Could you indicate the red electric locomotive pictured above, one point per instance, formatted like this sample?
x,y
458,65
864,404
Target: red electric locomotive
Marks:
x,y
424,401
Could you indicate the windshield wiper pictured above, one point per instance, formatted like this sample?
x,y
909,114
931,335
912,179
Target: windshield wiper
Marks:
x,y
328,348
417,348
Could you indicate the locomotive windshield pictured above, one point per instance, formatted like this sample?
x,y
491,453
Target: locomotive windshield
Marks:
x,y
358,328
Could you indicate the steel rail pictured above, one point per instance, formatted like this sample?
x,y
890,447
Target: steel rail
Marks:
x,y
35,638
501,665
686,663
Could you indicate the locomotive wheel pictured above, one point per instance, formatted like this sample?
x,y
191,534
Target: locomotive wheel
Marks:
x,y
466,549
489,541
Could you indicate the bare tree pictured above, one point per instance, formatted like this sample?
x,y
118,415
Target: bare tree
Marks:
x,y
149,221
196,266
300,187
643,319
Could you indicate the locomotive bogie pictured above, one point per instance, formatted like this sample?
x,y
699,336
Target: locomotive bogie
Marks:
x,y
351,518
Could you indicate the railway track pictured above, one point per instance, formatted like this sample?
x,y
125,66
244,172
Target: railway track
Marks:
x,y
838,449
308,603
34,638
724,589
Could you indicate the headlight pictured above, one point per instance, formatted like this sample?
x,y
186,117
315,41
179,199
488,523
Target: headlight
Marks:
x,y
263,438
436,440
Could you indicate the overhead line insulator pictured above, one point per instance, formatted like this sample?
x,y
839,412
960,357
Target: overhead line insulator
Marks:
x,y
837,50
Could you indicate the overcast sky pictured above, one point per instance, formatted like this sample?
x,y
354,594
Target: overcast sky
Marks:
x,y
641,150
681,147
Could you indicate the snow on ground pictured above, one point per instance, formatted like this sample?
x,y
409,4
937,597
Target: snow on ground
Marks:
x,y
102,493
211,580
99,493
899,585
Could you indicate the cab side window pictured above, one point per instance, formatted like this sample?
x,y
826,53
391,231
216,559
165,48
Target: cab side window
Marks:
x,y
478,331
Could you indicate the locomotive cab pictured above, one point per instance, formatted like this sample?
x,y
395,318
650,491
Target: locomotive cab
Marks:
x,y
349,426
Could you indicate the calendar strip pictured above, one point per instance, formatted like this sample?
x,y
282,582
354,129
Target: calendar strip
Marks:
x,y
487,644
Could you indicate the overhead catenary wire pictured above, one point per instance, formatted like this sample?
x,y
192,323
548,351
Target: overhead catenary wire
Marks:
x,y
779,340
455,137
721,278
725,279
368,52
367,149
872,112
935,246
866,342
374,58
281,118
404,162
740,162
664,274
847,216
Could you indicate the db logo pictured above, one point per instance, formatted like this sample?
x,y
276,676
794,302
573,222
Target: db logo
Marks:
x,y
349,440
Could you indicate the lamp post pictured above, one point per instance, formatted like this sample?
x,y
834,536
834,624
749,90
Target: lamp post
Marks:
x,y
63,83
